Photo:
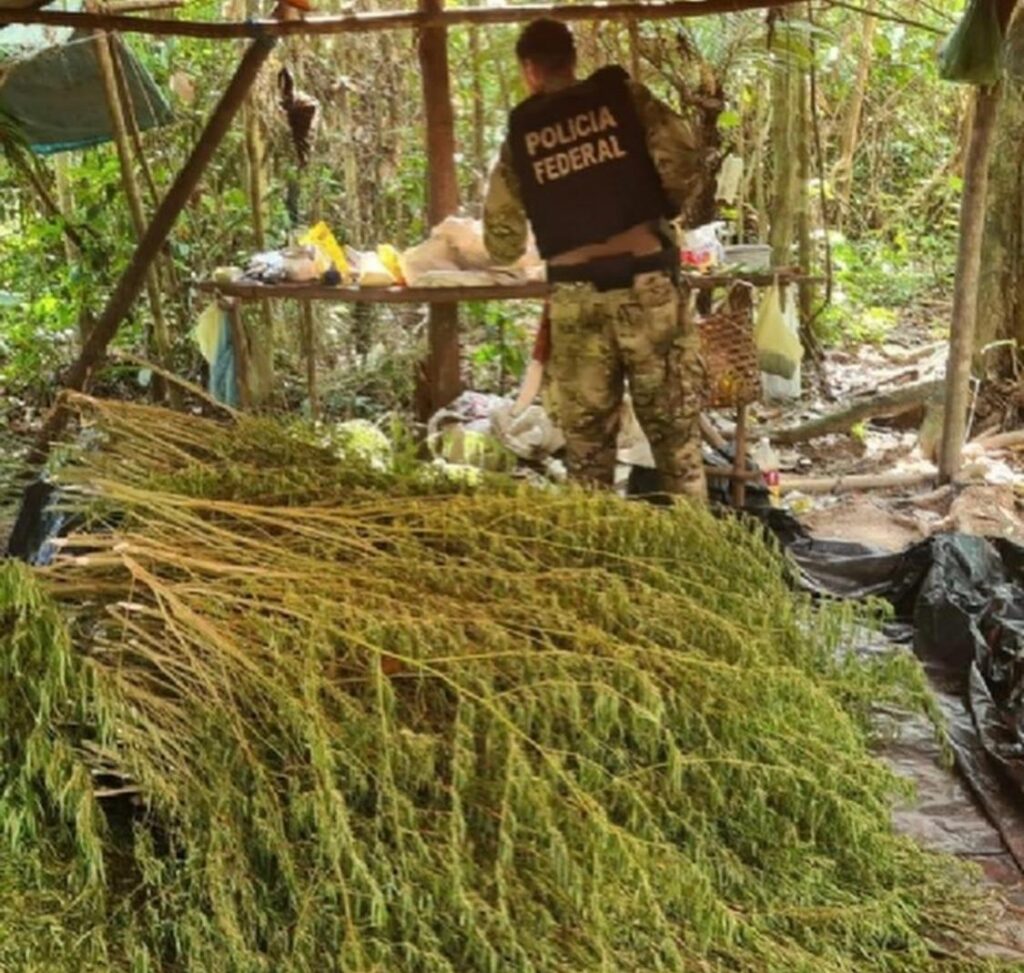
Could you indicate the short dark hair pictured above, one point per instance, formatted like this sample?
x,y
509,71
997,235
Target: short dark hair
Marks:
x,y
547,43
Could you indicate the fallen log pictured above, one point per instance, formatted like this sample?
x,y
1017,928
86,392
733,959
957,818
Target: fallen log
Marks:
x,y
852,484
886,404
1002,440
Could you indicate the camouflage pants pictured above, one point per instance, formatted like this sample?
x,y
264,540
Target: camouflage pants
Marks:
x,y
601,340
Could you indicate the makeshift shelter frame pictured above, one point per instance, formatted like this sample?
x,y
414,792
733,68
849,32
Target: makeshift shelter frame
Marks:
x,y
432,20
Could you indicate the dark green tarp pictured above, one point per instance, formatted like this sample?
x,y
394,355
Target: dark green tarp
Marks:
x,y
58,101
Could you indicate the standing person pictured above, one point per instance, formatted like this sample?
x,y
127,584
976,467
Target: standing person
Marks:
x,y
597,168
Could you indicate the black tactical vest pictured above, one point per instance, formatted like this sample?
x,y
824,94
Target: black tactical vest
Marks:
x,y
581,158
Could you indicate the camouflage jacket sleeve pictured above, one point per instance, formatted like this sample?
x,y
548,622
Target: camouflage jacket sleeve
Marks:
x,y
505,224
676,150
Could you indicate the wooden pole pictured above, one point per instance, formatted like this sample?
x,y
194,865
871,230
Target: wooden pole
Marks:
x,y
634,48
105,53
240,340
441,372
262,347
968,272
134,276
739,487
395,20
309,352
479,112
128,107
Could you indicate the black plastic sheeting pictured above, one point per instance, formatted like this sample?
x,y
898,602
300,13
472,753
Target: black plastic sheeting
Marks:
x,y
38,524
959,600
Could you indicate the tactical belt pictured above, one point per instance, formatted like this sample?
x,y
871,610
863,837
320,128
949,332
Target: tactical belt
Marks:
x,y
617,271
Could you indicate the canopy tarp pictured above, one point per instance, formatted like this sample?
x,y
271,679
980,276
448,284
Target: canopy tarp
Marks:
x,y
57,98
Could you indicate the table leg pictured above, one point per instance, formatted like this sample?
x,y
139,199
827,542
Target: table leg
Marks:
x,y
240,340
309,341
739,483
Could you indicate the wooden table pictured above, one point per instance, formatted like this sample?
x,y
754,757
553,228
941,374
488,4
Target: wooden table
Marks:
x,y
249,290
243,291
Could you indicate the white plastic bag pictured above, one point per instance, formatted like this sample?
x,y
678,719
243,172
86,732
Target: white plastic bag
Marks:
x,y
369,269
702,247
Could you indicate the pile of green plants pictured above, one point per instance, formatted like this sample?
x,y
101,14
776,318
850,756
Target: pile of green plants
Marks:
x,y
279,710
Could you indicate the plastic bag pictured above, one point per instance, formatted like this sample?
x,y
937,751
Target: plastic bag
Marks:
x,y
207,331
973,53
428,257
702,247
529,434
320,236
779,351
214,336
369,269
465,239
729,179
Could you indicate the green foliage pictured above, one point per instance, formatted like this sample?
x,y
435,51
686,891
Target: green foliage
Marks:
x,y
876,280
499,344
367,174
377,723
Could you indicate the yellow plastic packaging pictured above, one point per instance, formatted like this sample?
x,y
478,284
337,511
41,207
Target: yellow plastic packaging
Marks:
x,y
320,236
388,256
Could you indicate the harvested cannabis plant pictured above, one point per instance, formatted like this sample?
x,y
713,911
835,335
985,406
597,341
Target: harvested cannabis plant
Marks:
x,y
370,721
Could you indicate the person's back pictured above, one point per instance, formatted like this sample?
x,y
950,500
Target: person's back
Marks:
x,y
597,167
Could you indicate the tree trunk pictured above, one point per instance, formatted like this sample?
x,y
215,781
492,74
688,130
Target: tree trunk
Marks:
x,y
785,148
965,296
803,216
842,174
1001,287
762,134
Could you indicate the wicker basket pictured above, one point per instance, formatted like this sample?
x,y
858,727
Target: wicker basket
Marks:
x,y
727,346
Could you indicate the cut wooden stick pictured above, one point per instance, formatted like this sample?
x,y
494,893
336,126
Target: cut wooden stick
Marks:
x,y
1002,440
853,484
106,51
386,20
120,354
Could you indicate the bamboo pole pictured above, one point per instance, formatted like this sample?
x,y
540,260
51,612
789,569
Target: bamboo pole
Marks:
x,y
395,20
134,132
968,271
133,278
105,53
442,368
